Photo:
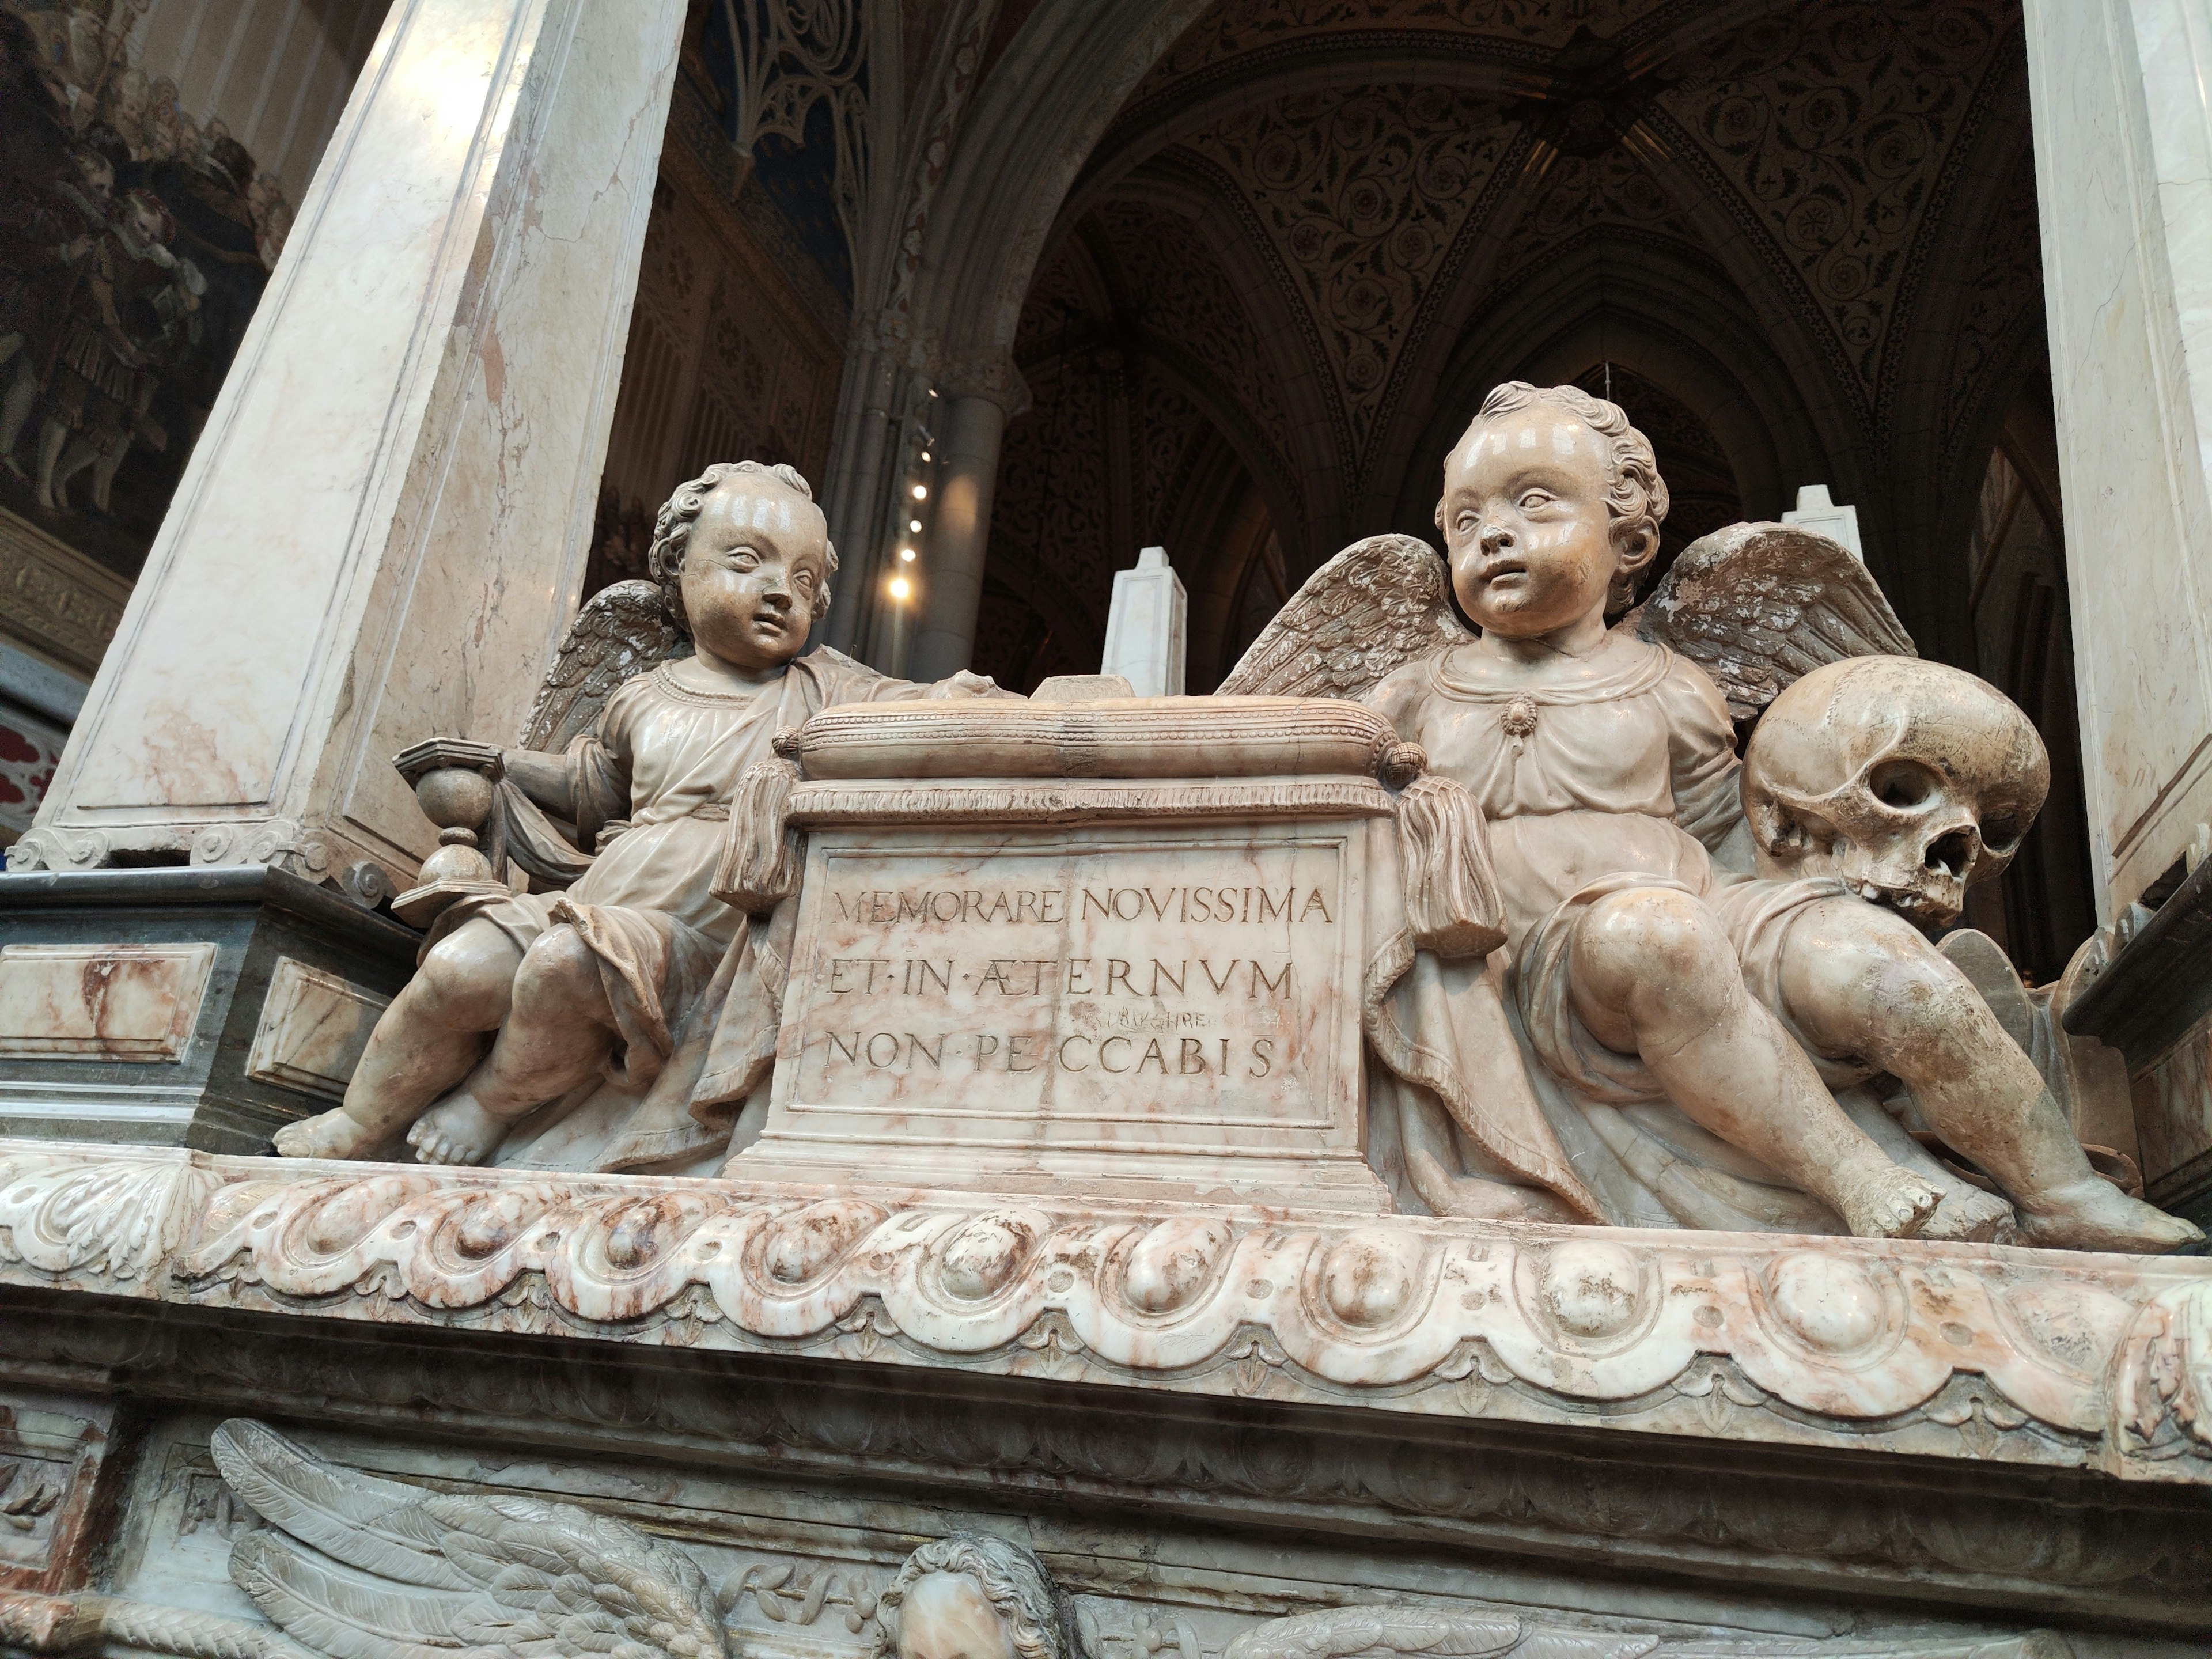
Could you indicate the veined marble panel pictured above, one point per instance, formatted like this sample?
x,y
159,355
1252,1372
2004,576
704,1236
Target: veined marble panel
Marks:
x,y
129,1002
313,1027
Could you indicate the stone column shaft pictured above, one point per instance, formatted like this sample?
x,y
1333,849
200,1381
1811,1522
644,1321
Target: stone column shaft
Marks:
x,y
381,531
952,583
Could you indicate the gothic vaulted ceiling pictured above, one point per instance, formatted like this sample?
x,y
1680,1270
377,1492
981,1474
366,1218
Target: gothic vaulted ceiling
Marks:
x,y
1800,240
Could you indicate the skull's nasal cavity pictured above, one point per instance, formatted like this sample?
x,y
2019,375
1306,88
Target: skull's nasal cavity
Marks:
x,y
1951,854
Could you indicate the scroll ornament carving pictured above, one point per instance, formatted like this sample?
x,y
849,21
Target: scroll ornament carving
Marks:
x,y
2077,1363
281,843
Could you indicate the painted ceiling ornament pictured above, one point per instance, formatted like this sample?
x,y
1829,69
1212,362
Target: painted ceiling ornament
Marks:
x,y
792,56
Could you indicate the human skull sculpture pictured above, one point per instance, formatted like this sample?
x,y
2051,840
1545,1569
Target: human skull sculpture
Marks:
x,y
1909,780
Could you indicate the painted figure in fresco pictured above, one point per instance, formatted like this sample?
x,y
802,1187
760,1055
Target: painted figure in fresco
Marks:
x,y
131,317
190,204
47,232
971,1596
636,995
1679,1022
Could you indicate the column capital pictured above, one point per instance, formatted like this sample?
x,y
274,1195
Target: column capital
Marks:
x,y
990,373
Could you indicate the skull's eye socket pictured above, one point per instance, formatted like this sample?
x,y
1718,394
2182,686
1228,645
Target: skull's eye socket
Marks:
x,y
1950,855
1903,784
2002,836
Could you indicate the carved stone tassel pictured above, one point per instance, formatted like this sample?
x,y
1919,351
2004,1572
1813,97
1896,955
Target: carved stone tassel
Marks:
x,y
759,859
1452,904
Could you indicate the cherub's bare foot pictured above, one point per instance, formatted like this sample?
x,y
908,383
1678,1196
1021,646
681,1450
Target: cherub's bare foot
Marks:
x,y
1881,1200
1968,1215
328,1134
2095,1215
456,1131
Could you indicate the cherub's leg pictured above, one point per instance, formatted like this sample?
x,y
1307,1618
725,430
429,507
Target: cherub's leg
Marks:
x,y
427,1041
1860,981
557,1035
1654,975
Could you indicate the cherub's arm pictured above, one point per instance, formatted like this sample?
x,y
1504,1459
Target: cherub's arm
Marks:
x,y
549,780
590,783
1397,697
1703,767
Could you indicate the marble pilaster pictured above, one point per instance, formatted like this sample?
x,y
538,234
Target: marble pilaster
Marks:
x,y
2122,121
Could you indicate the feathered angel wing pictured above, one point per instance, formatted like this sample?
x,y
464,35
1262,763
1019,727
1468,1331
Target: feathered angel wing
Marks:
x,y
622,630
1376,606
363,1568
1760,606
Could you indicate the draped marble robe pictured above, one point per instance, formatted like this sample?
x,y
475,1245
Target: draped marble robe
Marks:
x,y
696,987
1619,774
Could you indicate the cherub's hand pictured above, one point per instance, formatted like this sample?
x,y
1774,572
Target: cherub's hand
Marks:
x,y
965,685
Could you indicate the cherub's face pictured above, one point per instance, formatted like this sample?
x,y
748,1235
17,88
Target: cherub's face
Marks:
x,y
947,1616
757,558
1526,526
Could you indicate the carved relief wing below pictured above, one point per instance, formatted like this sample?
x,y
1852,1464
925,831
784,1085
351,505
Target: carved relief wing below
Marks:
x,y
620,631
1758,606
1377,606
363,1568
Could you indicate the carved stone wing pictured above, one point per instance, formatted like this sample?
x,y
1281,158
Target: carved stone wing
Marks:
x,y
622,630
360,1568
1377,606
1758,606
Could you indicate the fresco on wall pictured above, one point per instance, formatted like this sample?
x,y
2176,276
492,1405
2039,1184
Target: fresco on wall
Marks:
x,y
137,245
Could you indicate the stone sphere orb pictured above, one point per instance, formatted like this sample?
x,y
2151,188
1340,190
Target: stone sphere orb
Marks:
x,y
454,797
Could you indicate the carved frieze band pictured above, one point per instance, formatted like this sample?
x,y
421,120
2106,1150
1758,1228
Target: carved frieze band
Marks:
x,y
2030,1357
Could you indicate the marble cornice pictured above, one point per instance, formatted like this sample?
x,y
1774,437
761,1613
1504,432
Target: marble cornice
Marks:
x,y
1953,1352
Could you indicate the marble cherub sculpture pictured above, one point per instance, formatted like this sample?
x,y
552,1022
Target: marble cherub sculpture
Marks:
x,y
971,1596
638,999
1664,1037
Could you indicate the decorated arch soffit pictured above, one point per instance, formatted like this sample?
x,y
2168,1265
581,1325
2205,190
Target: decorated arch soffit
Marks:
x,y
1370,178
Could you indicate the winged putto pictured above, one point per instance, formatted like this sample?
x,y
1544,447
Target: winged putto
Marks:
x,y
621,1023
1697,1014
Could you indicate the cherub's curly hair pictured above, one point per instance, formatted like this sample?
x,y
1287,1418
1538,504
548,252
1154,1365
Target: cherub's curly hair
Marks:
x,y
1012,1579
1636,499
671,531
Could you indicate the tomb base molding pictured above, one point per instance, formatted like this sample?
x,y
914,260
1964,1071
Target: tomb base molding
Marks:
x,y
1795,1436
183,1006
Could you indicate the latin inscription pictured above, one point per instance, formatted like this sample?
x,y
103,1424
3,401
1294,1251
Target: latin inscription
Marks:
x,y
996,983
